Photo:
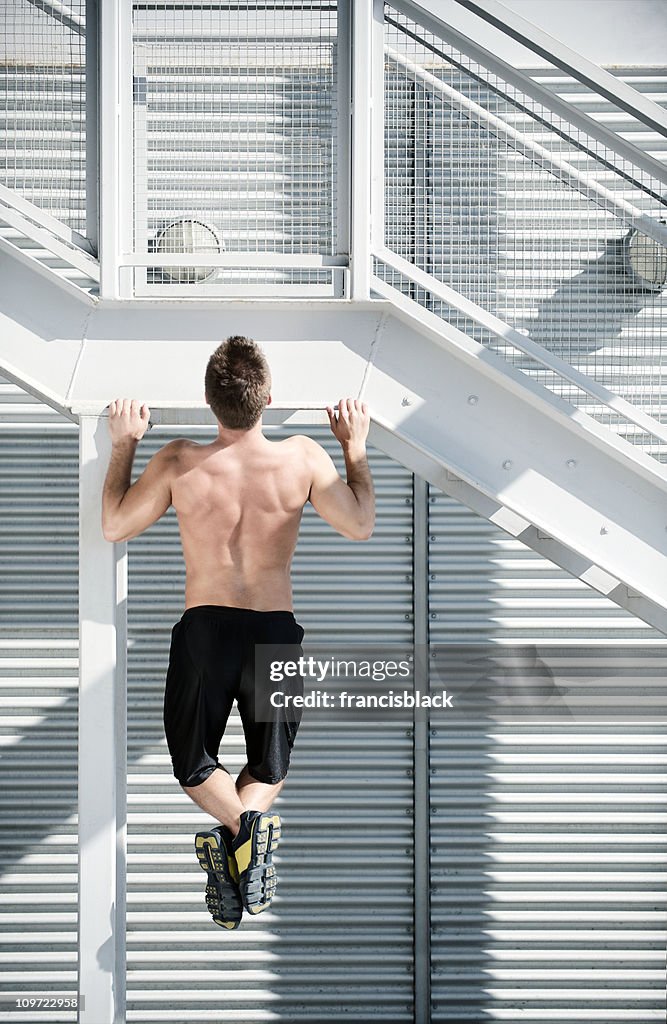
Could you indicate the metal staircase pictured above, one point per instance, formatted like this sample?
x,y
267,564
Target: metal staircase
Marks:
x,y
510,352
41,242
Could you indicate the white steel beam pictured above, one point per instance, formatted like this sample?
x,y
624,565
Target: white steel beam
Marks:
x,y
361,137
92,125
524,449
556,551
102,742
377,124
584,70
457,408
115,128
342,166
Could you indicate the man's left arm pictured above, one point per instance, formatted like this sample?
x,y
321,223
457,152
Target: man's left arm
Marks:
x,y
128,510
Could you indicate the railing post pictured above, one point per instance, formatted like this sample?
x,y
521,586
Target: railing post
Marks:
x,y
377,126
115,157
92,126
102,742
367,55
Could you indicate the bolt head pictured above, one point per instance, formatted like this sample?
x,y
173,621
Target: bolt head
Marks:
x,y
473,399
507,464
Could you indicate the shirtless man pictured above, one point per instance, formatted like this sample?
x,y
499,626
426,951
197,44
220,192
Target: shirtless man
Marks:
x,y
239,502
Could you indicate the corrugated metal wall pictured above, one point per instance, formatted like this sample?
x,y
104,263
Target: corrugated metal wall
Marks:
x,y
548,842
38,702
548,845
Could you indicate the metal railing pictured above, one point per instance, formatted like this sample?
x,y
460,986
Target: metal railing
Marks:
x,y
495,204
43,94
48,178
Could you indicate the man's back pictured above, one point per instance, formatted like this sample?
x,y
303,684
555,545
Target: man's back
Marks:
x,y
239,507
239,502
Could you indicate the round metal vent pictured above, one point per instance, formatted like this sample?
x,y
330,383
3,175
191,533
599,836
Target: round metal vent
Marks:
x,y
646,260
188,236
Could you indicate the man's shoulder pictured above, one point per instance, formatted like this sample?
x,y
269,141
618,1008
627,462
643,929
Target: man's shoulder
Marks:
x,y
302,441
172,449
306,447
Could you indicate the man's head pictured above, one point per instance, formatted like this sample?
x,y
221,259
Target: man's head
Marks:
x,y
238,383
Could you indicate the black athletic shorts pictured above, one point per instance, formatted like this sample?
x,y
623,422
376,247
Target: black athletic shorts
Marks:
x,y
212,663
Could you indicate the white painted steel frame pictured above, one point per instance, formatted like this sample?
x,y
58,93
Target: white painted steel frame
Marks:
x,y
546,97
342,166
533,150
115,145
233,259
92,125
9,197
102,742
540,42
77,375
367,139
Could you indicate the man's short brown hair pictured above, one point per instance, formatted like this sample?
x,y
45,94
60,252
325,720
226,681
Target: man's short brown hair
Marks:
x,y
238,383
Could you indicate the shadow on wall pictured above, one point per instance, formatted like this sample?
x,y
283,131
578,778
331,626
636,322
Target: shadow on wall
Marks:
x,y
590,310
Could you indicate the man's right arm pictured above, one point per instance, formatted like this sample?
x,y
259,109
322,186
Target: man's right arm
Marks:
x,y
347,506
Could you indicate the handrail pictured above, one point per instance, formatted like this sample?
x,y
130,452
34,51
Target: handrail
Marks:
x,y
62,13
10,197
584,70
585,184
520,341
269,260
73,256
565,110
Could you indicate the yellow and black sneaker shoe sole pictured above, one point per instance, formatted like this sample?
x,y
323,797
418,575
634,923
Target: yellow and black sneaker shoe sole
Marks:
x,y
257,874
223,899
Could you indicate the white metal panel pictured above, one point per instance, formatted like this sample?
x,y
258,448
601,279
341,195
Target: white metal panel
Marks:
x,y
548,842
38,704
337,945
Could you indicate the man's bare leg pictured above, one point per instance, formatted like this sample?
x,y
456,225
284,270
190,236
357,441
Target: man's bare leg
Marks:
x,y
217,796
254,795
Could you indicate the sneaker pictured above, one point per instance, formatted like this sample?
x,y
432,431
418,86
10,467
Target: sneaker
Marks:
x,y
215,855
253,848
